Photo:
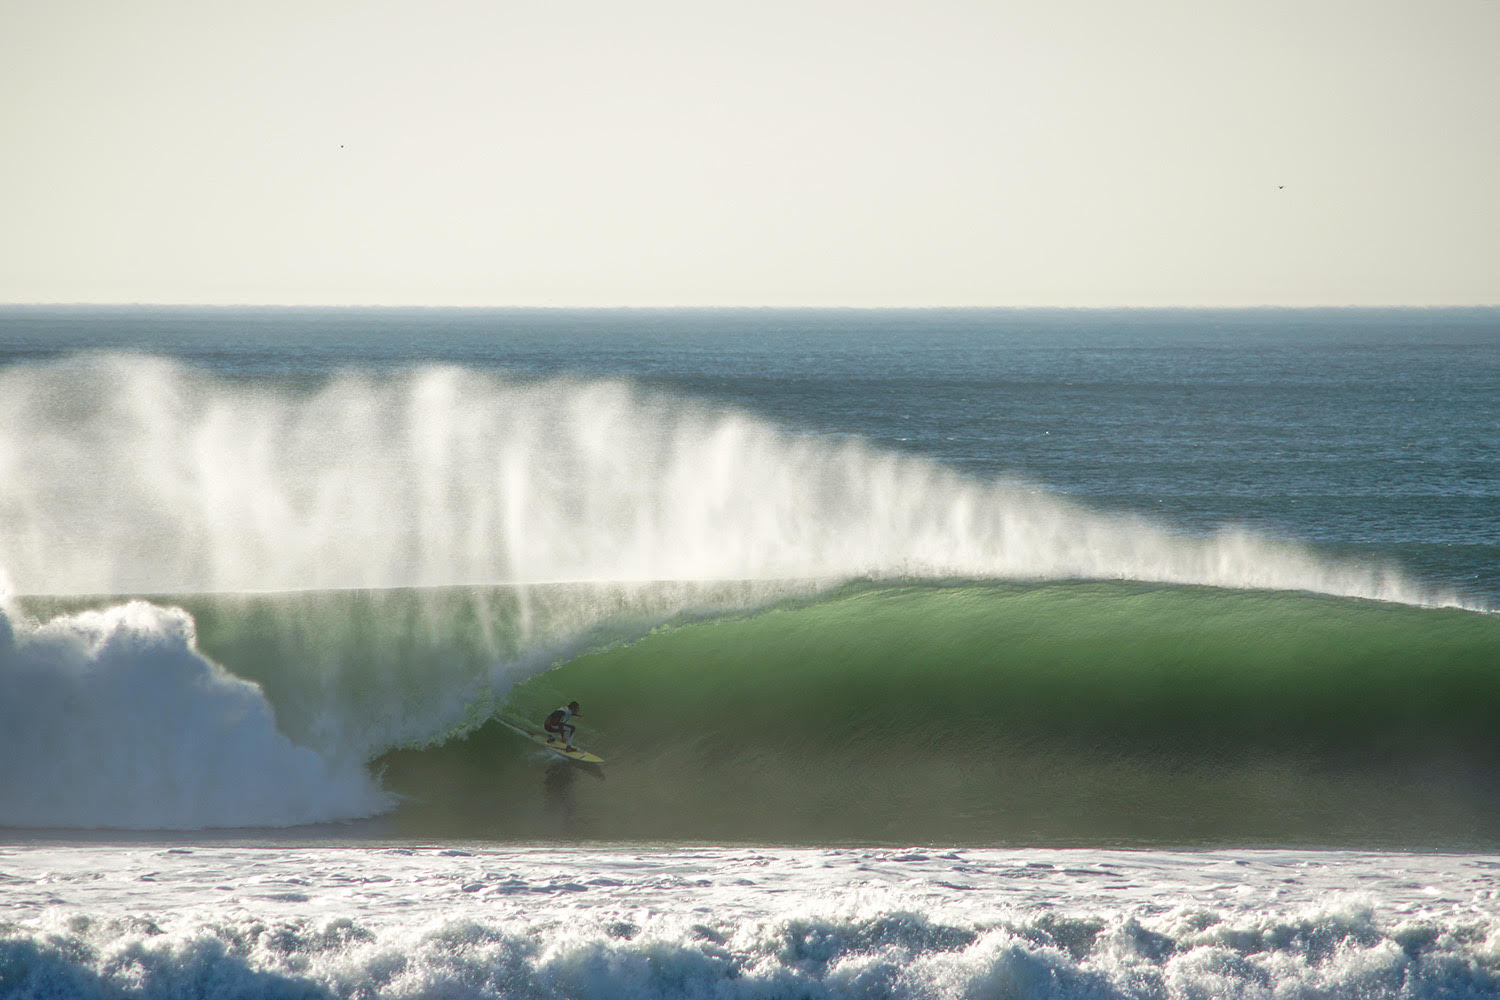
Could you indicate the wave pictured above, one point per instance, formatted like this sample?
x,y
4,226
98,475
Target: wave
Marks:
x,y
976,712
370,562
950,711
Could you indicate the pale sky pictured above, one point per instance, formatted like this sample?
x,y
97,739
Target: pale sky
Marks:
x,y
593,153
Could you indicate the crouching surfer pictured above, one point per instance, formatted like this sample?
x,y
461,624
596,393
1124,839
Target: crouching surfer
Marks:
x,y
557,724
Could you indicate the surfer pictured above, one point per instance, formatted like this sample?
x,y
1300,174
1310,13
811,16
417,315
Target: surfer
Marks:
x,y
557,723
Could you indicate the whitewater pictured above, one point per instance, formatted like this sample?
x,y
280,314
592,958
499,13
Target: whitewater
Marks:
x,y
1166,637
245,921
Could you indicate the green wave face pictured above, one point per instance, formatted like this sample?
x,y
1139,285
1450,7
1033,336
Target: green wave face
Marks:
x,y
353,673
1062,713
958,712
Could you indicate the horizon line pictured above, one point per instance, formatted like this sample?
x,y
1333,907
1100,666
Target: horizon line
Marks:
x,y
961,307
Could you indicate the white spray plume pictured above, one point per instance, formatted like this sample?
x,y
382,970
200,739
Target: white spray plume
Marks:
x,y
135,475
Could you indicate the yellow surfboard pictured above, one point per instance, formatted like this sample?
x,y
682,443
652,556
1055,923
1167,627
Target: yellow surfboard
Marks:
x,y
550,742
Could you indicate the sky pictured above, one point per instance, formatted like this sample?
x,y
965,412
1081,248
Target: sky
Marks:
x,y
808,153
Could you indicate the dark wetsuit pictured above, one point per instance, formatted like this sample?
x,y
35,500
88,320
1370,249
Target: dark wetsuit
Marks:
x,y
557,723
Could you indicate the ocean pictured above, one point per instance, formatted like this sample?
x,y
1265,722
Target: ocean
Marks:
x,y
932,653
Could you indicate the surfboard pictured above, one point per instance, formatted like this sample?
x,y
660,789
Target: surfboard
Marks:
x,y
555,744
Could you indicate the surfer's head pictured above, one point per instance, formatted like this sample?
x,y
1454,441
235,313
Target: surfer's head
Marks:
x,y
573,707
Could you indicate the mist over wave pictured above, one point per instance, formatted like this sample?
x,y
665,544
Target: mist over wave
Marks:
x,y
128,475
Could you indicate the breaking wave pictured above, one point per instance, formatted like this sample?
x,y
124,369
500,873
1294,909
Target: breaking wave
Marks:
x,y
370,562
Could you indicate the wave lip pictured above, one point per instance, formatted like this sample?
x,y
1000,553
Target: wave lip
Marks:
x,y
114,719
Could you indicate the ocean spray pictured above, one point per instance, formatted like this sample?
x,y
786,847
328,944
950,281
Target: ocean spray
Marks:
x,y
131,475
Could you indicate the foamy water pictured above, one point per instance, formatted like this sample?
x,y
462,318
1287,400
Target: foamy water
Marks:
x,y
114,718
157,921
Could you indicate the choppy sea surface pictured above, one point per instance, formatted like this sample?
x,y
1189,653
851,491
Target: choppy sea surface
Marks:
x,y
933,653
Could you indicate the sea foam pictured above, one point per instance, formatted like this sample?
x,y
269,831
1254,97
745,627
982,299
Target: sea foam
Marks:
x,y
757,925
114,719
